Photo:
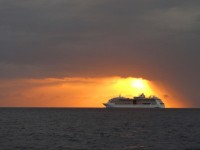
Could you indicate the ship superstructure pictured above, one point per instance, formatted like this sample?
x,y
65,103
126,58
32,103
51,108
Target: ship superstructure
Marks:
x,y
136,102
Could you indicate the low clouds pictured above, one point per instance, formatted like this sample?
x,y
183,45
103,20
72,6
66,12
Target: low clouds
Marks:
x,y
77,92
157,40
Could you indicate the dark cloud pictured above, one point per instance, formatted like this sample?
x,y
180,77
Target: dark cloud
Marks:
x,y
157,40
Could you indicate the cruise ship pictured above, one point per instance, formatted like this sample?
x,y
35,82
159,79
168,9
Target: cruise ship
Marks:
x,y
136,102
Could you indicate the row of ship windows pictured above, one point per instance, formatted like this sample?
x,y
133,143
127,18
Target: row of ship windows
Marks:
x,y
135,103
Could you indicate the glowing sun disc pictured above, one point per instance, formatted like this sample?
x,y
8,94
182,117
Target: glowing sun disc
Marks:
x,y
138,83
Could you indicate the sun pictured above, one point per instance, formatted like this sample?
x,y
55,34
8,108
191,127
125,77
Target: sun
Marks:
x,y
133,87
138,83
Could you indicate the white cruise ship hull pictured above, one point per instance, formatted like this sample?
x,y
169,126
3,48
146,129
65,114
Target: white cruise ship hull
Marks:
x,y
137,102
110,105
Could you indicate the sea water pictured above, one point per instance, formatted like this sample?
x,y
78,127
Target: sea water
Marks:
x,y
99,129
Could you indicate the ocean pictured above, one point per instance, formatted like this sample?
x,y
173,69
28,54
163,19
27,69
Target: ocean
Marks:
x,y
99,129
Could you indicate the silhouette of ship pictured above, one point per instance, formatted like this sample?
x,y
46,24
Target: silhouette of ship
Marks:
x,y
136,102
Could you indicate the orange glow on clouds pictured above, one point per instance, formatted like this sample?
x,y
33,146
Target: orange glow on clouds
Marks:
x,y
79,92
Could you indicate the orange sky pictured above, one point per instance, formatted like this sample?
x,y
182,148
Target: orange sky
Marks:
x,y
81,92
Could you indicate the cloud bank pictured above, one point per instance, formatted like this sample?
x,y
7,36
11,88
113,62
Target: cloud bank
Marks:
x,y
157,40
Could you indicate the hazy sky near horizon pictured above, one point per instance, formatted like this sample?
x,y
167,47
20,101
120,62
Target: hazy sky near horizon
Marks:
x,y
157,40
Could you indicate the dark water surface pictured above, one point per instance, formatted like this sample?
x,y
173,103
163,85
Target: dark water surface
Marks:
x,y
112,129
